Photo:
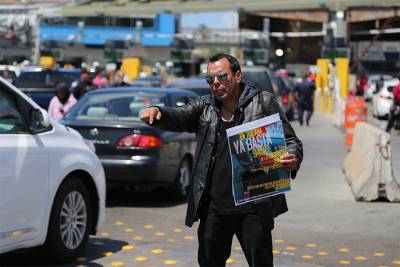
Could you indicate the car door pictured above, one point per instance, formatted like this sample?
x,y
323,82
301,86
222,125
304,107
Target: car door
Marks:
x,y
24,172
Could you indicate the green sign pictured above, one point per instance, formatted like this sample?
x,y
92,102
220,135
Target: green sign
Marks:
x,y
181,55
338,52
113,54
255,55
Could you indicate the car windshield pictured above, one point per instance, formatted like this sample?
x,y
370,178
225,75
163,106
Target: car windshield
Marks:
x,y
114,106
260,78
45,79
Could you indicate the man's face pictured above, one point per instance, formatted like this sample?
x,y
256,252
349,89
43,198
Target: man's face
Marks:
x,y
224,84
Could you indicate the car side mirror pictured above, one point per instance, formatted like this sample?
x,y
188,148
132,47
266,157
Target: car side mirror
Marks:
x,y
38,121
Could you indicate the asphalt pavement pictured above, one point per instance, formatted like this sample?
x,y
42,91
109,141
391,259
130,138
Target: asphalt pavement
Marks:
x,y
325,226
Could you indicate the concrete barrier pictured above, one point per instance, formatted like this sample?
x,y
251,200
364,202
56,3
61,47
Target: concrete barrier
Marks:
x,y
368,166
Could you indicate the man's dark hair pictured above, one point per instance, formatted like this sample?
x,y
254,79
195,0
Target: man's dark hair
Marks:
x,y
235,66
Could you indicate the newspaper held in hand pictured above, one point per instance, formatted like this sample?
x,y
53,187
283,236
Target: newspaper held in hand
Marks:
x,y
255,148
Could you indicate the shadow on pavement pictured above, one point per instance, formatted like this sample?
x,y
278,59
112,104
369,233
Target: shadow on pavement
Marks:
x,y
123,197
95,250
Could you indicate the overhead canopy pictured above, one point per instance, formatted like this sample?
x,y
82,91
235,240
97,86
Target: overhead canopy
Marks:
x,y
125,8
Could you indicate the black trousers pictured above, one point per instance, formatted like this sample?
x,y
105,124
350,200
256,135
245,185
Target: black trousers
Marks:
x,y
300,110
215,235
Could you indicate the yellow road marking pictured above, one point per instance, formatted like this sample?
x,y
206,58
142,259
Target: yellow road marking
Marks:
x,y
119,223
128,247
360,258
129,230
279,241
137,238
311,245
344,262
171,240
307,257
141,258
343,250
378,254
107,254
157,251
291,248
160,234
148,226
276,251
397,262
117,263
105,234
177,230
230,261
322,253
170,262
237,248
188,237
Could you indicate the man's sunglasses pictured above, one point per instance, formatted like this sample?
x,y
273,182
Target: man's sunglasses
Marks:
x,y
222,77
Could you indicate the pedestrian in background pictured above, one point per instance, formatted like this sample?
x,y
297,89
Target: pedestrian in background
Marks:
x,y
231,103
119,79
394,114
61,102
304,97
81,86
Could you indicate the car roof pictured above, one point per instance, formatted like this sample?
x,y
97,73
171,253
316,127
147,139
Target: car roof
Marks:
x,y
157,90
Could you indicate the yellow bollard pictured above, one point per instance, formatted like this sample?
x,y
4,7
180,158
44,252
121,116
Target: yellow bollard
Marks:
x,y
322,80
342,70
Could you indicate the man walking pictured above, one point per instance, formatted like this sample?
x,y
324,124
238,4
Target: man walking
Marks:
x,y
231,103
304,96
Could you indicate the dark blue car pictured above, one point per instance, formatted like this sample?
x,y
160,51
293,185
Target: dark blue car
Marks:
x,y
41,83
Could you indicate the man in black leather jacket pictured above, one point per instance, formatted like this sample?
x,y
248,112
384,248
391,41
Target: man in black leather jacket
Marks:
x,y
210,197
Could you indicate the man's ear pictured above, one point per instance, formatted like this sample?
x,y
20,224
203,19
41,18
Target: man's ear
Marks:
x,y
238,76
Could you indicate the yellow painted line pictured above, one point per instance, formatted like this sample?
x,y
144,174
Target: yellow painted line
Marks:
x,y
237,248
322,253
119,223
16,233
140,258
148,226
360,258
177,230
307,257
170,262
279,241
276,251
188,237
291,248
80,259
378,254
98,243
230,261
311,245
344,262
343,250
383,266
105,234
397,262
117,263
157,251
129,230
171,240
160,234
107,254
128,247
137,238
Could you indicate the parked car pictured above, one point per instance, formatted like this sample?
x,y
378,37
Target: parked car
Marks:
x,y
149,81
370,87
40,83
133,153
52,185
199,85
383,99
260,77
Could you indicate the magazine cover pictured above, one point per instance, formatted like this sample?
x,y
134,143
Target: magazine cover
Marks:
x,y
255,148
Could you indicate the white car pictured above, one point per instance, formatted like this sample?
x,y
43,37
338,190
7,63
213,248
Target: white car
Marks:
x,y
370,87
383,99
52,185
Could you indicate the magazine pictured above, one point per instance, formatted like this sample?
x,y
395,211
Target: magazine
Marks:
x,y
255,148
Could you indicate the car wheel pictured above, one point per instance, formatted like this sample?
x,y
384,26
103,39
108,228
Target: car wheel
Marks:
x,y
179,190
70,222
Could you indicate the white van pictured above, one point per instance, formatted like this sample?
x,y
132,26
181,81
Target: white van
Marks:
x,y
52,186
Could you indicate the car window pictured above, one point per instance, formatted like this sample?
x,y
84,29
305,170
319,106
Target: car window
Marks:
x,y
45,79
258,78
10,118
113,106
